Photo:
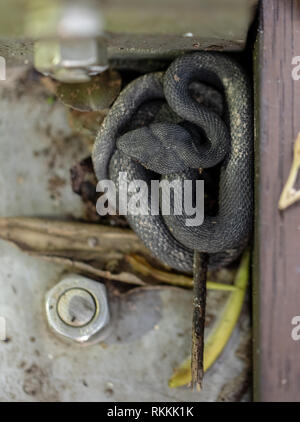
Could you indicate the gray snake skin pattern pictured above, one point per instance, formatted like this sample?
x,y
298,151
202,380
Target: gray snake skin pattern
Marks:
x,y
156,129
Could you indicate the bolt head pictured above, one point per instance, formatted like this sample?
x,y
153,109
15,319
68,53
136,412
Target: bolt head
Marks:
x,y
77,309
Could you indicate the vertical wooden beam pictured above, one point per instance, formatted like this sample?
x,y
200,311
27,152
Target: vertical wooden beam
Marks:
x,y
277,233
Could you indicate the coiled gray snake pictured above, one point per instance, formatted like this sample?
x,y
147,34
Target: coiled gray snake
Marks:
x,y
156,128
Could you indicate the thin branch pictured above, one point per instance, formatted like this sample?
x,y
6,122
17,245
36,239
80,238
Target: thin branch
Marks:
x,y
199,304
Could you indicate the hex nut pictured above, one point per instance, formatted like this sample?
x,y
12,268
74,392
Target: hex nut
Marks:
x,y
77,309
71,60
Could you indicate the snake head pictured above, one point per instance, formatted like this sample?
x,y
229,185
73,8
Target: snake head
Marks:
x,y
162,147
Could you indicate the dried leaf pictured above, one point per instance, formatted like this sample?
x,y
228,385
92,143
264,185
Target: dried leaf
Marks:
x,y
289,194
96,95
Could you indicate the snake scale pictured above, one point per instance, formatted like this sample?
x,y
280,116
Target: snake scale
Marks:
x,y
157,129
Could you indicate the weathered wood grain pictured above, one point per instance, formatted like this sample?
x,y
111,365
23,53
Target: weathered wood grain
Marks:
x,y
277,233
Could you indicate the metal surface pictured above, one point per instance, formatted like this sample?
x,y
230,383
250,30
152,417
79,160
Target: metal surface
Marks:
x,y
151,334
134,28
217,19
77,309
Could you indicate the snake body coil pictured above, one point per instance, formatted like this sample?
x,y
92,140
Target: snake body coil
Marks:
x,y
157,127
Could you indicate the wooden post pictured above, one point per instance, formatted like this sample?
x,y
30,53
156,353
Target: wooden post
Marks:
x,y
277,233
